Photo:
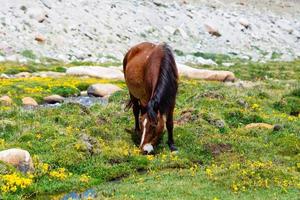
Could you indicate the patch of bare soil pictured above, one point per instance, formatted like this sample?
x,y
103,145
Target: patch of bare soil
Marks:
x,y
217,149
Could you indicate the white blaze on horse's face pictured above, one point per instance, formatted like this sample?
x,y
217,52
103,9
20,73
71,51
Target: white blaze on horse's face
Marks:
x,y
147,147
144,131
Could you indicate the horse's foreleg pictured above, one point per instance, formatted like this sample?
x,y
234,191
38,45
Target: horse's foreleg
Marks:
x,y
136,112
170,125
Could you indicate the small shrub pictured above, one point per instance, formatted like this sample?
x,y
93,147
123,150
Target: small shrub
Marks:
x,y
82,86
28,54
275,55
65,91
179,52
60,69
289,105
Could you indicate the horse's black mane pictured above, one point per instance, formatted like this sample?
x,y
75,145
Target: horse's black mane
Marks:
x,y
167,85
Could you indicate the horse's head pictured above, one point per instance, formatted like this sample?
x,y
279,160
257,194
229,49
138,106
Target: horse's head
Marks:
x,y
151,132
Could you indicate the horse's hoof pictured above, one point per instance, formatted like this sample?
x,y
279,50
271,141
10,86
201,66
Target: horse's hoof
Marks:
x,y
173,148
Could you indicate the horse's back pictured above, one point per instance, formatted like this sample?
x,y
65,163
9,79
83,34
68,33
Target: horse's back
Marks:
x,y
135,68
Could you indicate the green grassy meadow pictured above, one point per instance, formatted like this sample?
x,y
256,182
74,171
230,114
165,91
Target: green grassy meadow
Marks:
x,y
219,158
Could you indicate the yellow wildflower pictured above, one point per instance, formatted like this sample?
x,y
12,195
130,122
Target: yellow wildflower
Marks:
x,y
255,106
59,174
234,187
84,178
150,157
11,182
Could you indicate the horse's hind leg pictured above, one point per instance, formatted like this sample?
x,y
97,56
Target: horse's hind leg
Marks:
x,y
170,125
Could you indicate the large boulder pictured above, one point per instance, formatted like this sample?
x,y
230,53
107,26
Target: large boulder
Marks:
x,y
5,100
54,99
205,74
4,76
48,74
22,75
101,90
94,71
28,101
19,158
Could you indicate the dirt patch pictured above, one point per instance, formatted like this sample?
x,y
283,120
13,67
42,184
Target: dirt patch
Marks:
x,y
212,95
186,116
101,120
217,149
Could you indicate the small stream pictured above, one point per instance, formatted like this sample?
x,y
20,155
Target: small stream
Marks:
x,y
86,101
87,194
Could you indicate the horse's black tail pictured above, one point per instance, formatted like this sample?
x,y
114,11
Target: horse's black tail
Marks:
x,y
164,96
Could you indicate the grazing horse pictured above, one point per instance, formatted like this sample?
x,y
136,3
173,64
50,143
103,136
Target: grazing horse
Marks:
x,y
151,76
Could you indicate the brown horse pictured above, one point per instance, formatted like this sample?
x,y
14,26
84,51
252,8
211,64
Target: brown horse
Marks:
x,y
151,76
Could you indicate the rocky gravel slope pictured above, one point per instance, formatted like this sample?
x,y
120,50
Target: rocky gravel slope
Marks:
x,y
97,29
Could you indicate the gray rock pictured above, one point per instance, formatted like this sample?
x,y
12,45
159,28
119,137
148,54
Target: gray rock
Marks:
x,y
212,30
19,158
244,22
22,75
28,101
219,123
4,76
52,99
5,100
91,144
212,75
83,93
101,90
243,103
40,38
